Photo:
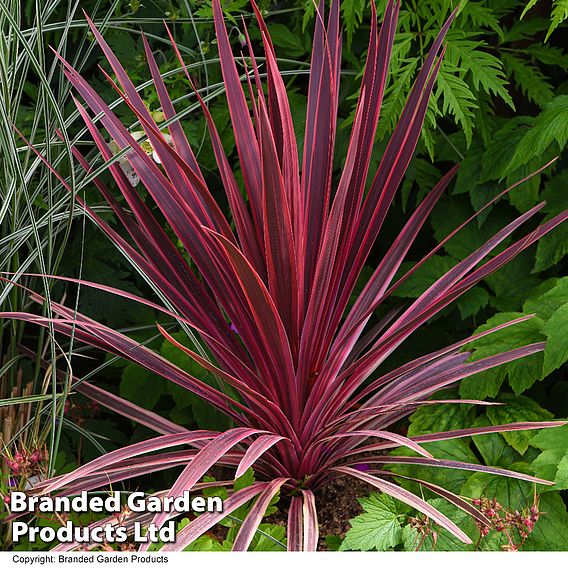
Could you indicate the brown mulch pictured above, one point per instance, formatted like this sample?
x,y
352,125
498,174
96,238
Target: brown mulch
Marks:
x,y
336,503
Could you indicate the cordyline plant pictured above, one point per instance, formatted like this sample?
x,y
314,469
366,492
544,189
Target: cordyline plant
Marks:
x,y
271,299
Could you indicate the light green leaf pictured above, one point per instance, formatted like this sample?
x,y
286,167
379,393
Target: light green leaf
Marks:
x,y
549,531
529,5
352,12
548,301
559,14
552,463
378,528
457,99
550,126
556,331
439,418
533,84
522,373
517,409
485,70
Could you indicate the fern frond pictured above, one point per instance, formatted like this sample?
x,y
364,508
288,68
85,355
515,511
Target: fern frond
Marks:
x,y
558,15
486,71
550,126
532,83
457,99
481,17
352,12
548,55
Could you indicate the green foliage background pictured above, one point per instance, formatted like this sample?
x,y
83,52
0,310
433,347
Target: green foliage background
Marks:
x,y
500,107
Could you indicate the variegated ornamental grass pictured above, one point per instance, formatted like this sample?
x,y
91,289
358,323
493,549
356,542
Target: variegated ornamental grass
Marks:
x,y
313,402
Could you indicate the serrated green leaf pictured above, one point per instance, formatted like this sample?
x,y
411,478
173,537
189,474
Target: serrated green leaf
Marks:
x,y
352,12
378,528
532,82
425,276
245,480
546,467
472,302
552,248
457,99
481,16
524,29
269,538
517,409
550,127
493,447
549,299
549,532
485,70
439,418
549,55
522,373
556,331
552,463
559,14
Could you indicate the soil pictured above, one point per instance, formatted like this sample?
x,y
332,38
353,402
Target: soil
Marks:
x,y
336,503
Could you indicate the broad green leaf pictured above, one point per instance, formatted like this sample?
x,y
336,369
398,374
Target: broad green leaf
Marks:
x,y
509,492
556,331
547,303
452,479
142,387
549,532
513,282
288,41
378,528
443,541
440,418
550,127
493,447
448,215
552,464
521,374
517,409
473,301
501,148
424,277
